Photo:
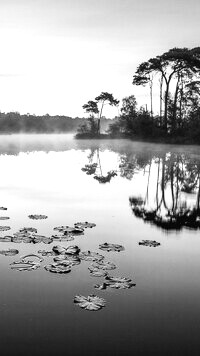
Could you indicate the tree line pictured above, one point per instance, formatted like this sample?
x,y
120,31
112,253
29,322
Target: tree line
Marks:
x,y
14,122
177,73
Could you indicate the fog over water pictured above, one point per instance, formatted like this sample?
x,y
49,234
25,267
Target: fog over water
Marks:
x,y
154,195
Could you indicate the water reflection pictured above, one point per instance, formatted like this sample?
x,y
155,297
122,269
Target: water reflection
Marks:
x,y
175,193
94,167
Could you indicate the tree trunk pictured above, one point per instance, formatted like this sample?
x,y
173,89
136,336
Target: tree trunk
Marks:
x,y
151,96
167,81
99,119
175,106
180,106
166,106
161,87
98,126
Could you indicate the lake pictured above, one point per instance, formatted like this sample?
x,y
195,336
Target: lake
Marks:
x,y
133,192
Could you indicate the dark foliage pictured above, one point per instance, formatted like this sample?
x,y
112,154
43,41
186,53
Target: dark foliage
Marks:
x,y
13,122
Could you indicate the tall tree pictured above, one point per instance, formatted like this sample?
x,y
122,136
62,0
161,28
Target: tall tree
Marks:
x,y
103,99
174,64
91,107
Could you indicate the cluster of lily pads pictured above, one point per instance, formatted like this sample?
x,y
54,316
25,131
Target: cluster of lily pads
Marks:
x,y
65,258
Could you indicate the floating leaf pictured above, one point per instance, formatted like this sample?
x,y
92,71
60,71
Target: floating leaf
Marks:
x,y
37,217
91,303
111,247
26,265
41,238
59,250
16,239
9,252
104,265
28,229
61,237
4,218
118,279
27,240
70,250
61,228
149,243
95,272
69,230
73,260
121,285
84,225
5,238
90,256
21,234
46,253
23,258
59,267
4,228
47,240
119,282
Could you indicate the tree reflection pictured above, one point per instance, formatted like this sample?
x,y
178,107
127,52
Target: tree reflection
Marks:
x,y
95,168
171,208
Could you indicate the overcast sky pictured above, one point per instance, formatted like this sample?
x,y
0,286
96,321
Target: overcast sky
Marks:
x,y
58,54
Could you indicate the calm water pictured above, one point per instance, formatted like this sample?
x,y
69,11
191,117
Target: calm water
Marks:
x,y
154,196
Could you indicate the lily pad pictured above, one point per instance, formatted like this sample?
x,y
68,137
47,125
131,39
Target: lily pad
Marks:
x,y
21,234
69,230
90,256
119,282
9,252
28,229
59,250
46,253
16,239
91,303
5,238
27,240
95,272
4,218
61,228
4,228
70,250
116,283
111,247
27,265
59,267
150,243
72,260
37,217
61,237
84,225
41,238
104,265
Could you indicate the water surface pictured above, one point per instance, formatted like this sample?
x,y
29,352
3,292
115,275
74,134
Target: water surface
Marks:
x,y
154,195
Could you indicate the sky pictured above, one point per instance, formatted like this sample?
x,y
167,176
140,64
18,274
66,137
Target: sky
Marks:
x,y
58,54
